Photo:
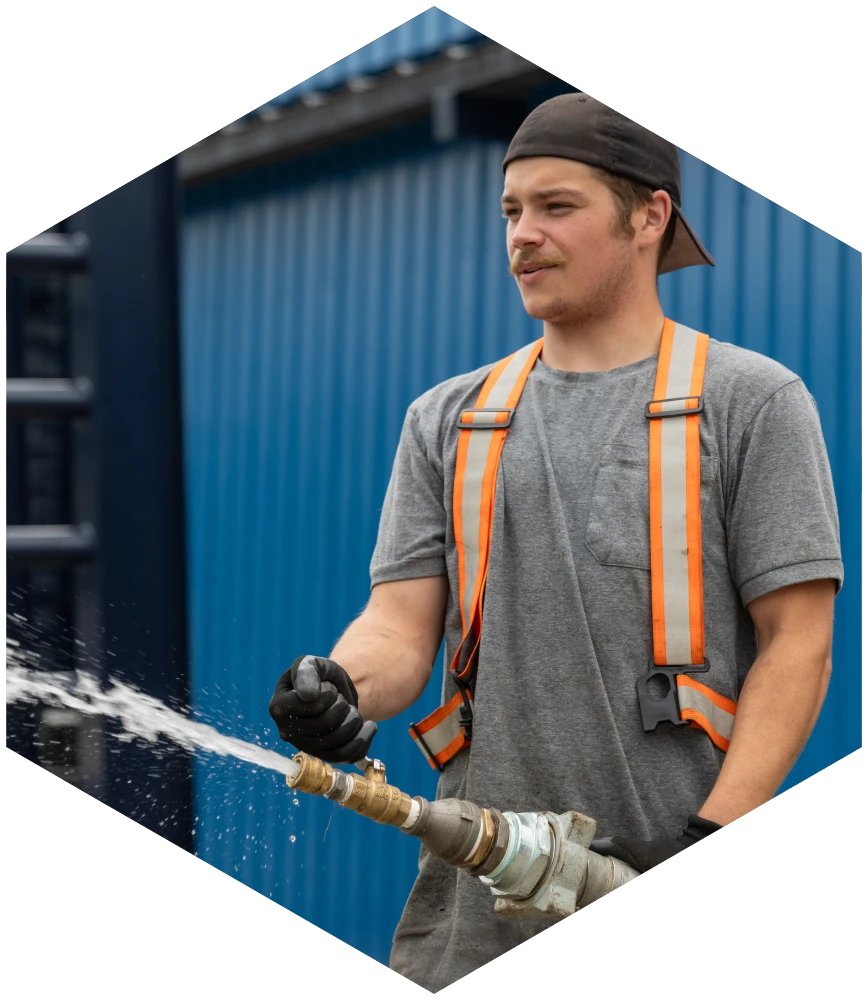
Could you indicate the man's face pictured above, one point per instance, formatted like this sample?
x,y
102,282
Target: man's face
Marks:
x,y
571,260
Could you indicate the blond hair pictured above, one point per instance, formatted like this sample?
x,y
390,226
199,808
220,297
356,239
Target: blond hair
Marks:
x,y
628,196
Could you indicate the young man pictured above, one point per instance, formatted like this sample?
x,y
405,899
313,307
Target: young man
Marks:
x,y
592,206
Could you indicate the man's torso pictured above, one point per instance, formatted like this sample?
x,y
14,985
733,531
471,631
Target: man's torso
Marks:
x,y
567,624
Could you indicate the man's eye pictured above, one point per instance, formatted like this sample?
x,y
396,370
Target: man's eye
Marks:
x,y
555,205
510,213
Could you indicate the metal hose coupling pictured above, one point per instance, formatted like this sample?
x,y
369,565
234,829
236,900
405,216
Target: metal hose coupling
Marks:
x,y
535,864
548,870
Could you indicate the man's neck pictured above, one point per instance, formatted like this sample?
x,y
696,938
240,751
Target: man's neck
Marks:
x,y
602,344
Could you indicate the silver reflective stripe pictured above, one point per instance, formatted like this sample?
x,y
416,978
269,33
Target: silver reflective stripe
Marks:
x,y
721,721
483,418
676,404
438,738
477,455
673,474
508,377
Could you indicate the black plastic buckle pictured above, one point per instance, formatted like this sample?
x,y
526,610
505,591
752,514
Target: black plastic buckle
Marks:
x,y
684,412
465,714
487,425
657,708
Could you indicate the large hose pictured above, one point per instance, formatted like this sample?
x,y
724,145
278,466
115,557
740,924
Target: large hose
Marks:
x,y
535,864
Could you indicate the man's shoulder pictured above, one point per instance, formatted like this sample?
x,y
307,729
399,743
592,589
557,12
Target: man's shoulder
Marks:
x,y
741,379
436,407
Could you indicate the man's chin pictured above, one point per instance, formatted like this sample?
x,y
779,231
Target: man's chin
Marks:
x,y
547,310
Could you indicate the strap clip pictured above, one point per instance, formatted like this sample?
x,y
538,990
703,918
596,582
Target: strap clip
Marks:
x,y
662,706
489,423
465,711
683,411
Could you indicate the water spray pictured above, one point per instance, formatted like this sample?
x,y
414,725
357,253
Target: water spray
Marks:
x,y
536,864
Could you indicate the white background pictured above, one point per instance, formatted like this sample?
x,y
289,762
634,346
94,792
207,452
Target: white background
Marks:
x,y
96,93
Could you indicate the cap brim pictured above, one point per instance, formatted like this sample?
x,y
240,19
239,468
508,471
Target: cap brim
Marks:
x,y
686,249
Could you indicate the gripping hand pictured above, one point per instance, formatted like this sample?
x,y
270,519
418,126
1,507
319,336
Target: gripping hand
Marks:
x,y
316,708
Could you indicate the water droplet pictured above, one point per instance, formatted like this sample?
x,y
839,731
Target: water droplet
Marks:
x,y
292,838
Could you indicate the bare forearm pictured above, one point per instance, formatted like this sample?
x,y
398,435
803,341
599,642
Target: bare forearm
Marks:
x,y
777,710
389,650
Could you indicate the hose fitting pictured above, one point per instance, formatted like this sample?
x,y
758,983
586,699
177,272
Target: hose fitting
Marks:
x,y
537,864
367,794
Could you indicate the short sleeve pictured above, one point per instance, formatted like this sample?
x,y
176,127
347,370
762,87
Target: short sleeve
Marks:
x,y
782,520
411,541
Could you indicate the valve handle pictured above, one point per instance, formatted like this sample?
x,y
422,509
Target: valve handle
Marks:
x,y
372,768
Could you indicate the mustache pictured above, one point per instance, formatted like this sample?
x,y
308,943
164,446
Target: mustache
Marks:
x,y
521,259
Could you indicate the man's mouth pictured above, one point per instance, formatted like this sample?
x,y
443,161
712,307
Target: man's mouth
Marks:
x,y
531,272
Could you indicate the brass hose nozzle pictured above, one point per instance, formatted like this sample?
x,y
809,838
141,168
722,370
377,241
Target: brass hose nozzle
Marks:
x,y
454,830
367,794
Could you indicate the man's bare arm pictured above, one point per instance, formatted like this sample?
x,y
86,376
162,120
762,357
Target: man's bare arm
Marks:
x,y
389,650
781,697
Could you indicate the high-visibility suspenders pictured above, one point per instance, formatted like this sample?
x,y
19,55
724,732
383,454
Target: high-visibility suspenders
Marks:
x,y
676,544
677,608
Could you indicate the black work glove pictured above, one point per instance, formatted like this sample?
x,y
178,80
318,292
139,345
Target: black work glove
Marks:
x,y
645,854
316,708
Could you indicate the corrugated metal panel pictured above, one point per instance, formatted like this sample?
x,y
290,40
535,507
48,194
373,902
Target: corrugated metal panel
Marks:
x,y
322,296
419,38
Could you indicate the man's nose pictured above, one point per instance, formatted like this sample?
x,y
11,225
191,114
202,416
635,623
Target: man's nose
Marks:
x,y
526,233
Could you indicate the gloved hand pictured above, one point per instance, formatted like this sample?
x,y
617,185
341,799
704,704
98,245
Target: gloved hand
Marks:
x,y
315,706
645,854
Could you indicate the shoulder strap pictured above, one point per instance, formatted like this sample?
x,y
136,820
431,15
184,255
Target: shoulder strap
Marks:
x,y
673,479
677,604
445,732
480,442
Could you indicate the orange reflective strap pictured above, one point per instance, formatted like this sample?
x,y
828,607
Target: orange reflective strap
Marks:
x,y
480,443
655,491
440,735
694,509
466,423
482,434
706,709
674,498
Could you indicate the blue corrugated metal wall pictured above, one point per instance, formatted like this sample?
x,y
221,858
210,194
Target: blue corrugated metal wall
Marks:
x,y
322,296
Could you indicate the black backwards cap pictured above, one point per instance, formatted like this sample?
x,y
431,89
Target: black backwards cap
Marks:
x,y
577,127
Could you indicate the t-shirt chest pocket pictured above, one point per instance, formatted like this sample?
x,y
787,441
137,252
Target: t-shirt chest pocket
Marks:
x,y
618,531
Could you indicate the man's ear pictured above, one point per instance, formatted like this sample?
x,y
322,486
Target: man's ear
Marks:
x,y
652,222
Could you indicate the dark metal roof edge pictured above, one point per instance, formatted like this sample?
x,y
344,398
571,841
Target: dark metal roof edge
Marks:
x,y
395,99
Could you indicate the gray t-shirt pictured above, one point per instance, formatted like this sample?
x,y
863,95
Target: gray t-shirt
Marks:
x,y
567,617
